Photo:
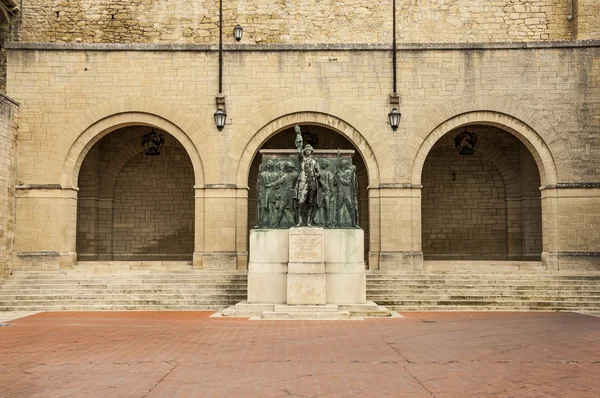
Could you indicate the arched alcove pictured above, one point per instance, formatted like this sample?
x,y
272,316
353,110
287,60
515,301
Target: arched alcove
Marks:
x,y
327,139
485,206
133,206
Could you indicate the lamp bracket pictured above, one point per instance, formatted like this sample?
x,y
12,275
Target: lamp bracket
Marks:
x,y
220,101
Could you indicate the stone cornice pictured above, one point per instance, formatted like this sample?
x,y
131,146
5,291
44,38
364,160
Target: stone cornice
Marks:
x,y
574,185
302,47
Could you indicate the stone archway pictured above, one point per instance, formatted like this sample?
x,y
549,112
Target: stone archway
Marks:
x,y
542,159
85,141
132,206
328,139
481,207
351,138
522,131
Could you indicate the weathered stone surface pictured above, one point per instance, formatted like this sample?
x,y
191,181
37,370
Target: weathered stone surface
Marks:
x,y
277,22
8,175
307,245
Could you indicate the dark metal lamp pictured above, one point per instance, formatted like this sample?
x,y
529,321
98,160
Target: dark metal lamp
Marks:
x,y
220,117
394,117
153,143
237,32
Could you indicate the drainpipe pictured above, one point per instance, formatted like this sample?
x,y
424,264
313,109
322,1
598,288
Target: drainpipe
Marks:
x,y
220,98
394,98
220,47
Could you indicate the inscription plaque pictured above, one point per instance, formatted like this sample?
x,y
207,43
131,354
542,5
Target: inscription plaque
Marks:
x,y
306,248
306,245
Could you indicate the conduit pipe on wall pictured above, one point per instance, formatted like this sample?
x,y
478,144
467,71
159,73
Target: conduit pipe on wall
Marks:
x,y
221,113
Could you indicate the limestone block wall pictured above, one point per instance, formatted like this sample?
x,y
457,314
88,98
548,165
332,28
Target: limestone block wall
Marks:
x,y
545,96
8,172
464,207
484,206
154,207
133,206
577,217
586,14
295,21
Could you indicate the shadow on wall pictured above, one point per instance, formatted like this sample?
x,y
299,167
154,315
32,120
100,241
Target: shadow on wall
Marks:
x,y
166,248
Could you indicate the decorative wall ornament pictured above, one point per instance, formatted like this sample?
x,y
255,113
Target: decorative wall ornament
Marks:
x,y
465,142
153,143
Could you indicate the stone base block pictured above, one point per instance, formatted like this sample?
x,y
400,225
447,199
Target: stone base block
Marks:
x,y
306,289
245,309
267,283
317,315
225,261
346,288
368,309
401,261
269,246
306,308
307,312
344,246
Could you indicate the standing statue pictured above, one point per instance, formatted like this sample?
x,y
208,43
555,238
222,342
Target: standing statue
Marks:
x,y
326,196
354,197
266,196
345,198
308,181
286,209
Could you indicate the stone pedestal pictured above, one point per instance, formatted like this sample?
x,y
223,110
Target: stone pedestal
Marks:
x,y
306,282
306,273
268,266
345,266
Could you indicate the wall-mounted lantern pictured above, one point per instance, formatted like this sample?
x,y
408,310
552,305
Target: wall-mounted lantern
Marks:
x,y
153,143
220,117
237,32
394,118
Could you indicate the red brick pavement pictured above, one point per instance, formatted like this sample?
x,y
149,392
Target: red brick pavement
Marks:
x,y
188,354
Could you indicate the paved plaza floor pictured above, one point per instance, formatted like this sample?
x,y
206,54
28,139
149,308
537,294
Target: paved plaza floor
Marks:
x,y
189,354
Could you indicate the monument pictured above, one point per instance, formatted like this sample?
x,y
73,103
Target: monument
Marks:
x,y
307,248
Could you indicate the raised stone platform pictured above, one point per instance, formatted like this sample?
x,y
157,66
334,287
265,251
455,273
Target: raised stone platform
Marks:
x,y
306,273
307,312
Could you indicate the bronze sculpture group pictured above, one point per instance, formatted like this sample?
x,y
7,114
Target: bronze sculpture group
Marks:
x,y
311,192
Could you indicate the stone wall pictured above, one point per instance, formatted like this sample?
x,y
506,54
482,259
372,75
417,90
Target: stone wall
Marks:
x,y
545,96
8,157
484,206
586,15
295,21
133,206
464,207
154,207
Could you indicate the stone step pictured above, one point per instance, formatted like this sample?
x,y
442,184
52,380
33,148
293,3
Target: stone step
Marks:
x,y
491,292
448,297
129,277
307,315
112,307
475,308
49,289
482,277
491,303
85,295
206,300
429,286
120,282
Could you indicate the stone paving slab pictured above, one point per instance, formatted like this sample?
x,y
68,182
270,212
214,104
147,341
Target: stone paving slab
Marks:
x,y
189,354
